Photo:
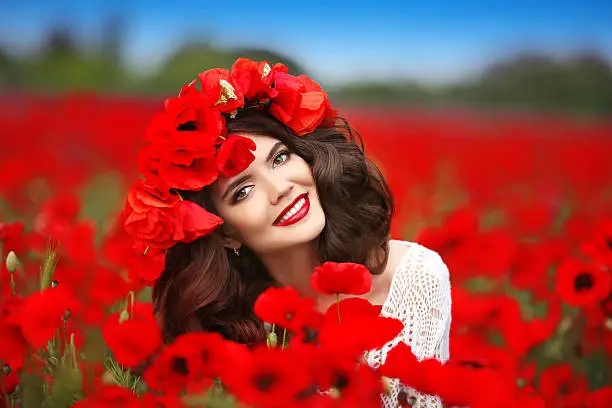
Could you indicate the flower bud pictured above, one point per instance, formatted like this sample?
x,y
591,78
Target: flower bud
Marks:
x,y
108,378
124,316
12,262
272,339
334,393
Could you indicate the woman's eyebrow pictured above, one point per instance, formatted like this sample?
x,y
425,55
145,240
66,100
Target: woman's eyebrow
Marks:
x,y
273,150
235,184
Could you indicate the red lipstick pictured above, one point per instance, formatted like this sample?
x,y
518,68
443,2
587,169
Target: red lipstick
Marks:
x,y
282,220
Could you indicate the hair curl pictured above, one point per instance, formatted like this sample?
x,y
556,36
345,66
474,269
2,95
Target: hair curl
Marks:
x,y
206,287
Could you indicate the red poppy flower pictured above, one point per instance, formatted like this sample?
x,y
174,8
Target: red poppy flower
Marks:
x,y
352,307
281,306
530,267
346,277
601,398
301,103
110,396
11,237
56,214
221,89
191,362
255,78
161,229
43,313
349,338
456,241
154,228
148,161
189,167
559,382
528,397
306,326
361,387
194,221
143,195
106,287
458,382
134,340
599,245
145,268
582,284
191,114
13,345
149,400
235,155
497,252
270,378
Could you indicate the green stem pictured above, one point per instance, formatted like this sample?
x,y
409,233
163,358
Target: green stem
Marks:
x,y
13,291
73,352
338,306
284,337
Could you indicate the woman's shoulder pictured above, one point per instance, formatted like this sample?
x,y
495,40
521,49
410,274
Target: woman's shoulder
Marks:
x,y
413,260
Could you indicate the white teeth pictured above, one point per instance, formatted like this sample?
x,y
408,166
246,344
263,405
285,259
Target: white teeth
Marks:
x,y
292,211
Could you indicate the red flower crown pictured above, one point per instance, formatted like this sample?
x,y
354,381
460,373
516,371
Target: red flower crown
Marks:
x,y
189,148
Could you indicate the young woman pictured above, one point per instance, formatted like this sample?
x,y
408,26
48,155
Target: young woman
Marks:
x,y
285,187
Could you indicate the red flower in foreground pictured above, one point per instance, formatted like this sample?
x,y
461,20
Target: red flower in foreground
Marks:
x,y
270,378
191,362
281,306
458,382
559,383
43,313
110,396
134,340
350,339
346,277
582,284
13,345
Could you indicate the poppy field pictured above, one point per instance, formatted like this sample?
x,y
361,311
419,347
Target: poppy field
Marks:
x,y
518,205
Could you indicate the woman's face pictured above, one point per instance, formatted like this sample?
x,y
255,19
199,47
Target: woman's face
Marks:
x,y
273,204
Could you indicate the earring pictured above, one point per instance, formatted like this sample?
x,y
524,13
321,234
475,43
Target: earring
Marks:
x,y
236,252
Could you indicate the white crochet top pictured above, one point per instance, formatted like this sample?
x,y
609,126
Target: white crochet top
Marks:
x,y
420,296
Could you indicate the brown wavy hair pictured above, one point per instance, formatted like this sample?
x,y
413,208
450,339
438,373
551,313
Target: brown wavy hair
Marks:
x,y
206,287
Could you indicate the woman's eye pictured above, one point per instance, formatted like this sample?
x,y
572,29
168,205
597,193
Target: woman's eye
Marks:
x,y
241,194
281,157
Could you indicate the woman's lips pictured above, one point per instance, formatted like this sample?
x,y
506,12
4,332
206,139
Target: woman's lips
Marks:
x,y
301,213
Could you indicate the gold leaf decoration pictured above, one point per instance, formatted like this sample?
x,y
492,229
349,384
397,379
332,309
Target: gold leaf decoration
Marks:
x,y
227,92
266,70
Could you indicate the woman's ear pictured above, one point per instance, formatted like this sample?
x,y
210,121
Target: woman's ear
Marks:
x,y
229,238
231,243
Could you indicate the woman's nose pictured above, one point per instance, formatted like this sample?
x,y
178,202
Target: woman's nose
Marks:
x,y
278,188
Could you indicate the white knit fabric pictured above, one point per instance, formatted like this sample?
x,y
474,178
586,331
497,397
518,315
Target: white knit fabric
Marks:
x,y
420,297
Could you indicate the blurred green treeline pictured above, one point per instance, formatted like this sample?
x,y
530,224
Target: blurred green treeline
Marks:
x,y
528,81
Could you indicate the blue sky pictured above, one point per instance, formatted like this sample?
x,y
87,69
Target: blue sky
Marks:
x,y
434,41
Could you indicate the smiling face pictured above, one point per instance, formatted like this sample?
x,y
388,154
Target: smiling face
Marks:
x,y
273,204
